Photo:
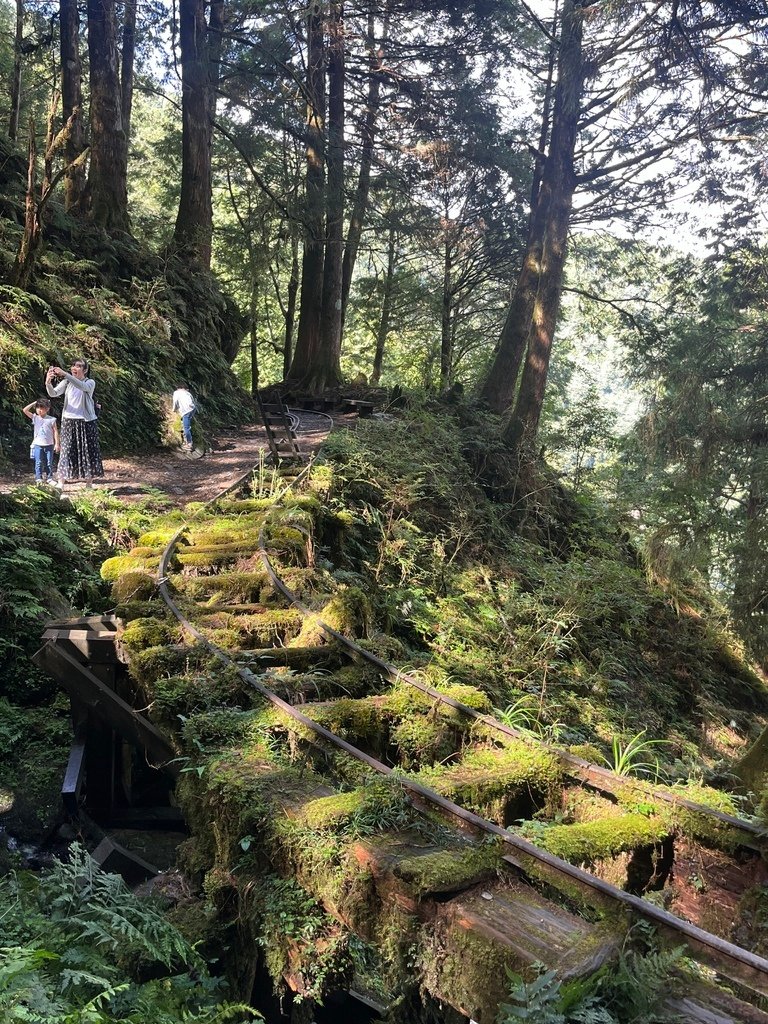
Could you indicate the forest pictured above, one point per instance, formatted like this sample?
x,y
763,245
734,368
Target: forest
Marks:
x,y
532,233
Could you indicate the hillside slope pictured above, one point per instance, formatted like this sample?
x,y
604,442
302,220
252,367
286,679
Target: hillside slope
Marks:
x,y
145,321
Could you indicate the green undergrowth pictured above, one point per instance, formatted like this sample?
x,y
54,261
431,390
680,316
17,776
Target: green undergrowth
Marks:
x,y
78,946
49,556
543,596
146,323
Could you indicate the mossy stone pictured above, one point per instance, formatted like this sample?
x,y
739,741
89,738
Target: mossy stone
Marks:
x,y
586,842
147,632
133,585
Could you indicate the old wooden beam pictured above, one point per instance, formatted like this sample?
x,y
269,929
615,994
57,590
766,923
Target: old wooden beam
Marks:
x,y
84,687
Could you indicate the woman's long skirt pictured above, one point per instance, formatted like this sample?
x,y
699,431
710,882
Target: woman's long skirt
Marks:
x,y
80,457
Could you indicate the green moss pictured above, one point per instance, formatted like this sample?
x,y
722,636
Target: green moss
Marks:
x,y
469,695
422,740
487,779
214,554
403,700
152,662
234,587
356,720
587,842
147,632
449,870
157,538
129,610
113,568
587,752
255,631
287,541
133,585
245,505
638,795
330,812
192,693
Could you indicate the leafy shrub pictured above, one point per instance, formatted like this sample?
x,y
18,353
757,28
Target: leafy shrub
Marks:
x,y
78,948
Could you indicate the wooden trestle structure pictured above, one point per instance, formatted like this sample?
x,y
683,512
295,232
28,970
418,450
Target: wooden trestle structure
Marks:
x,y
121,768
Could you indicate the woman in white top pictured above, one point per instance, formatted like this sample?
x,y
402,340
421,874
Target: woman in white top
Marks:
x,y
80,457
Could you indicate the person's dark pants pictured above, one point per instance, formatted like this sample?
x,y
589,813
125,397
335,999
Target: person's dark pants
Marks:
x,y
43,456
186,426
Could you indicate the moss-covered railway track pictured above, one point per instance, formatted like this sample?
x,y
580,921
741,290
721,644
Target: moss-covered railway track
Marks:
x,y
254,662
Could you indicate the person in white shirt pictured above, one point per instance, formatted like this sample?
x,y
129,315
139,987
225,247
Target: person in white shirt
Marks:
x,y
80,457
45,438
185,405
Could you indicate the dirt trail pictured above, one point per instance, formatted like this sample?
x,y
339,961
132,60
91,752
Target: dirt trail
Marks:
x,y
181,477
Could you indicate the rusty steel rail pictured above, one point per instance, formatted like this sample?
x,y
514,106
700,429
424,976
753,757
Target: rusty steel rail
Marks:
x,y
725,958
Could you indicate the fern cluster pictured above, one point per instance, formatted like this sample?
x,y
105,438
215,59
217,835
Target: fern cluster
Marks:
x,y
633,992
80,948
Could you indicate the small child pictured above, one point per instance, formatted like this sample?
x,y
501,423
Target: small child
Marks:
x,y
45,440
184,404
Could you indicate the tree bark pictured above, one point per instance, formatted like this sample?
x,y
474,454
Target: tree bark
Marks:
x,y
532,313
200,50
360,204
126,66
30,239
13,122
386,306
446,339
326,369
290,305
254,337
72,104
311,298
547,249
107,179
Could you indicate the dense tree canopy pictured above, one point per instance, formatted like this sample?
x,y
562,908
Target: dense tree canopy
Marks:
x,y
411,190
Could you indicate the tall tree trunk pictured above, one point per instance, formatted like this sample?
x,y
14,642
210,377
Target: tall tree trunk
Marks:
x,y
290,305
30,240
553,197
326,370
72,104
550,232
200,49
360,204
310,303
446,339
107,180
126,66
13,122
254,336
386,306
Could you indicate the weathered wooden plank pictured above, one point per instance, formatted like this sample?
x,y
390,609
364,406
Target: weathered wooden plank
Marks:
x,y
96,623
705,1004
95,647
74,773
117,860
84,687
478,934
